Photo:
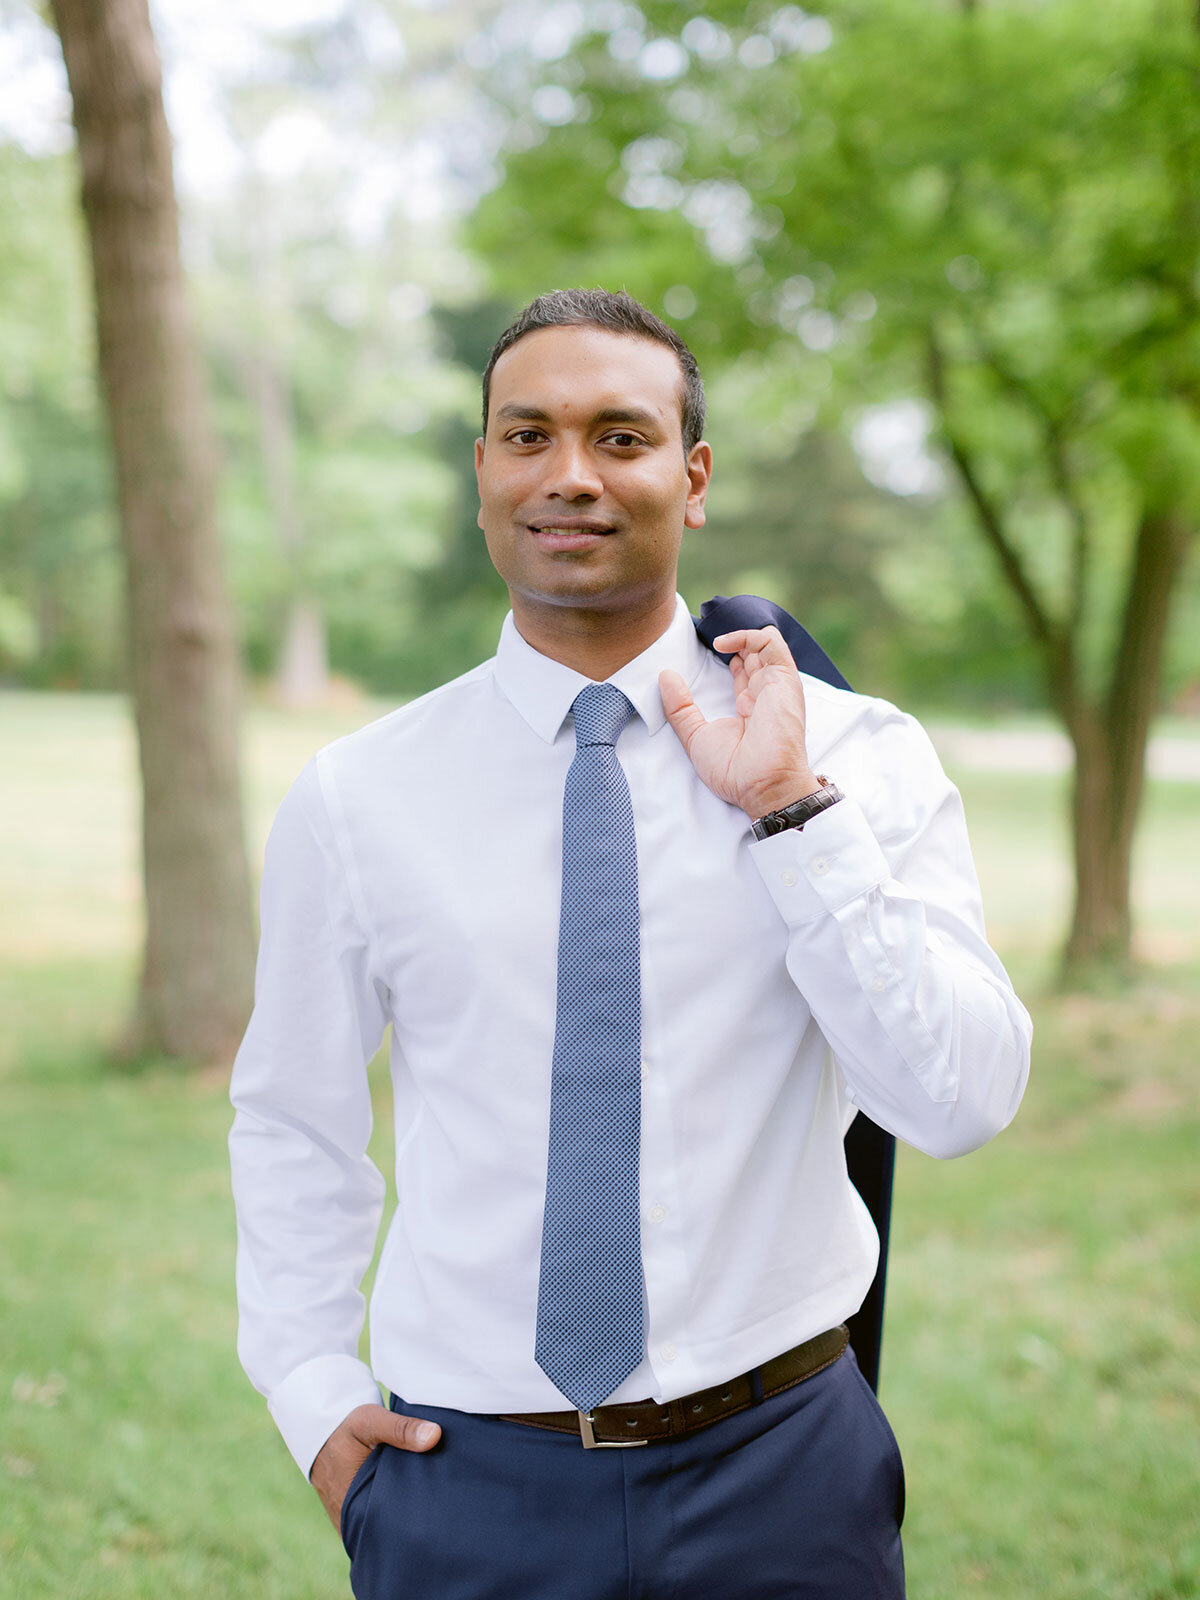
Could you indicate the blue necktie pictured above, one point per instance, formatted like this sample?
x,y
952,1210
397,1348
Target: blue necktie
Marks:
x,y
589,1322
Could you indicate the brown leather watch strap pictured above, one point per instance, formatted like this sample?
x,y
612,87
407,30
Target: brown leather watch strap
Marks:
x,y
800,811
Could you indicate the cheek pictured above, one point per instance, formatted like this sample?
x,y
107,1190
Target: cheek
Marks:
x,y
498,501
658,508
505,494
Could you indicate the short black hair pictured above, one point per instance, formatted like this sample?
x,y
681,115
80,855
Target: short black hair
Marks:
x,y
616,313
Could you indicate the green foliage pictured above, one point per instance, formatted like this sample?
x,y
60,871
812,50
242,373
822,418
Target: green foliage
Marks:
x,y
996,206
329,392
811,197
331,401
59,575
790,515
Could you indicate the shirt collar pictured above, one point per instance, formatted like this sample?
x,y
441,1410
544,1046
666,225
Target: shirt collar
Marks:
x,y
543,689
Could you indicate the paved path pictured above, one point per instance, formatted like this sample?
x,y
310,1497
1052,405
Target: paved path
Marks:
x,y
1175,757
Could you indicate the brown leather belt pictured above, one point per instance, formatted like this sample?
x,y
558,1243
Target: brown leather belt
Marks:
x,y
609,1427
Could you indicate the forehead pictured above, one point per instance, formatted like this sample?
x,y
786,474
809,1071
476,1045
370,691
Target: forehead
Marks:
x,y
571,373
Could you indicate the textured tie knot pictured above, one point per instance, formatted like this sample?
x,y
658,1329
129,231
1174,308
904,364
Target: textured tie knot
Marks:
x,y
601,711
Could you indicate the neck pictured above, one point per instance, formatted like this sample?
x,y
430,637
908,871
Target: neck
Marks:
x,y
594,643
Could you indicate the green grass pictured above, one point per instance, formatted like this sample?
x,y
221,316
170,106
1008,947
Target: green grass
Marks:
x,y
1042,1359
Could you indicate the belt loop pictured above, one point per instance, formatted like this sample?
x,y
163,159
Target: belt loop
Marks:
x,y
756,1387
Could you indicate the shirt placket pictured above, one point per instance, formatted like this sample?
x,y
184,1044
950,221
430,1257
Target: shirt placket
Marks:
x,y
665,1261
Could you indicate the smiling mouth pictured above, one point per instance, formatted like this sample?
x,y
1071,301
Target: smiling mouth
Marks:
x,y
569,530
567,535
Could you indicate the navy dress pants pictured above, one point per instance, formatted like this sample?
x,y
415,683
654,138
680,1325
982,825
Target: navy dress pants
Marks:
x,y
797,1498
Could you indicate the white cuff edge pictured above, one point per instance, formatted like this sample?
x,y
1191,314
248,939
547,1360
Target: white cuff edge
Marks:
x,y
315,1398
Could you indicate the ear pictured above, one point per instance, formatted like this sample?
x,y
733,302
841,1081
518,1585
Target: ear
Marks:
x,y
699,471
479,480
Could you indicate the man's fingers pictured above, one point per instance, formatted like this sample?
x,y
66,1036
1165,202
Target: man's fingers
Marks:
x,y
768,643
683,713
348,1446
414,1433
404,1433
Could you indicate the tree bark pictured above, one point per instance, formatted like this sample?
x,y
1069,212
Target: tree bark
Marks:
x,y
1101,923
1110,751
196,983
302,678
302,674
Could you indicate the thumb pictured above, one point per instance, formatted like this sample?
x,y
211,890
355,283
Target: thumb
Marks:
x,y
682,712
404,1433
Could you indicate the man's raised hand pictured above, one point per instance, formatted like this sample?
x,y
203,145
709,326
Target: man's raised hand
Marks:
x,y
352,1441
756,759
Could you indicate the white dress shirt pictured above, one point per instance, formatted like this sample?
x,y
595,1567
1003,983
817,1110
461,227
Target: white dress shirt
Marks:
x,y
413,877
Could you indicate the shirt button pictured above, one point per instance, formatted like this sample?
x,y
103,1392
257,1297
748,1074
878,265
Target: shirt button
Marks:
x,y
668,1352
878,984
788,879
820,865
657,1213
645,1065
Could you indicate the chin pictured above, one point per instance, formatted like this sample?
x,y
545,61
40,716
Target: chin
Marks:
x,y
592,592
597,597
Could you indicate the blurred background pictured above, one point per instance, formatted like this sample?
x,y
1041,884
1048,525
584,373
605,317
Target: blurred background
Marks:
x,y
940,263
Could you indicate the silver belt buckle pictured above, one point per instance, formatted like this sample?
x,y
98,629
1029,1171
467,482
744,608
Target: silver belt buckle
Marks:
x,y
590,1441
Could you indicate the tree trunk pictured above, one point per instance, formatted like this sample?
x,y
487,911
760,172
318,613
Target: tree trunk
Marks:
x,y
1101,924
197,975
302,674
1110,753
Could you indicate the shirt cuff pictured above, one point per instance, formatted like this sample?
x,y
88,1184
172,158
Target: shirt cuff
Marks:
x,y
812,871
315,1398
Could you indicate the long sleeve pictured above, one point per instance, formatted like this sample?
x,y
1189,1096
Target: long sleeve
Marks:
x,y
886,942
308,1199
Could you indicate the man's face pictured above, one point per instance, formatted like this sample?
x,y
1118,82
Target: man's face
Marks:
x,y
584,488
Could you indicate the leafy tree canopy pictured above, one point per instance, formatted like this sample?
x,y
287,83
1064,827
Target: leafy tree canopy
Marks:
x,y
996,207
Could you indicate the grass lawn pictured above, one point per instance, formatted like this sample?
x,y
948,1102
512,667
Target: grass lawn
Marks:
x,y
1042,1361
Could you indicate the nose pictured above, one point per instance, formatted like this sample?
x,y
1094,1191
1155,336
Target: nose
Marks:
x,y
571,472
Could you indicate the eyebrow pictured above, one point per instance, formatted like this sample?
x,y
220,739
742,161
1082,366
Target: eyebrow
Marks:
x,y
513,412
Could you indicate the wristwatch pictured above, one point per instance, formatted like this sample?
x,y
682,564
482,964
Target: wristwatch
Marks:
x,y
800,811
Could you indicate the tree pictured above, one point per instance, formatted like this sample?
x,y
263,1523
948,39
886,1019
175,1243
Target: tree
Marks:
x,y
332,388
997,208
196,979
58,571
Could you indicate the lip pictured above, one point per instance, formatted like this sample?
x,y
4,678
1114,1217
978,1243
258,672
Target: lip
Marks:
x,y
578,532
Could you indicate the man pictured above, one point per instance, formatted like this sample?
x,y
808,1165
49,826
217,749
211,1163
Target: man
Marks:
x,y
631,1021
